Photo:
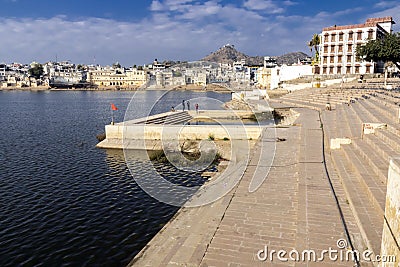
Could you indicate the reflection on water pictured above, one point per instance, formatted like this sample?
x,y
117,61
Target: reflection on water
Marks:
x,y
64,202
163,180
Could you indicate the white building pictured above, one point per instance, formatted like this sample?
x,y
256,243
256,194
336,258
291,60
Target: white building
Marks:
x,y
110,77
286,73
338,45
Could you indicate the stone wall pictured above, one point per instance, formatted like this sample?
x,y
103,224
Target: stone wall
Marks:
x,y
391,227
179,132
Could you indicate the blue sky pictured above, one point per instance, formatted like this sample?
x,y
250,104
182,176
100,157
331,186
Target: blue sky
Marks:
x,y
138,31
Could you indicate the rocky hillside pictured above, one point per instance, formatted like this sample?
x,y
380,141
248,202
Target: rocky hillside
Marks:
x,y
290,58
228,54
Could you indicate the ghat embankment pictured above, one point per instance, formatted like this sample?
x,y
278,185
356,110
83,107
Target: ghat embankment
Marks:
x,y
313,196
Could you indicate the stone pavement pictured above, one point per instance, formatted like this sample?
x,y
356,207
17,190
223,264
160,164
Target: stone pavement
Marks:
x,y
293,209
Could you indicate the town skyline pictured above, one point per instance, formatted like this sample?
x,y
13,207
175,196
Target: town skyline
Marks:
x,y
133,32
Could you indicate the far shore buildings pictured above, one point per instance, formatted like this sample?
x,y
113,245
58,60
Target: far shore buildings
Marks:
x,y
117,77
337,57
338,44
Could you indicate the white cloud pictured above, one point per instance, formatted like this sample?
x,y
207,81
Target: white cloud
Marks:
x,y
386,4
156,6
178,2
394,12
177,35
265,5
176,29
200,11
289,3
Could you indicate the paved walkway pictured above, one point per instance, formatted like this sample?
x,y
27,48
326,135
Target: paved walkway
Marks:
x,y
293,209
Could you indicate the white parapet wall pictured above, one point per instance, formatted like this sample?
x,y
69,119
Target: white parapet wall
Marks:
x,y
391,228
369,128
337,142
117,135
180,132
182,126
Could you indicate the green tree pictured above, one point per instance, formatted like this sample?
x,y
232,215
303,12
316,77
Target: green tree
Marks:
x,y
386,49
36,70
314,43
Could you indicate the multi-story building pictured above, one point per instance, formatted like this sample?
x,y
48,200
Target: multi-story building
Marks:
x,y
338,45
110,77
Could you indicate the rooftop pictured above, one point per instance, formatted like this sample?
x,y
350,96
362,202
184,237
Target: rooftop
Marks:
x,y
371,22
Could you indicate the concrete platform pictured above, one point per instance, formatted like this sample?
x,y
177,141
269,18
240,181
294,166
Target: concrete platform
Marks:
x,y
294,208
143,132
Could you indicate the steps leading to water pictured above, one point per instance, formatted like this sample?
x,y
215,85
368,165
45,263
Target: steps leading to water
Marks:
x,y
362,166
369,223
172,118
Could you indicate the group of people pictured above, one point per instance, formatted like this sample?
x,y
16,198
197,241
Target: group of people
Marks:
x,y
186,103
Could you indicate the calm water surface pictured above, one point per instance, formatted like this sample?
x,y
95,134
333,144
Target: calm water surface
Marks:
x,y
64,202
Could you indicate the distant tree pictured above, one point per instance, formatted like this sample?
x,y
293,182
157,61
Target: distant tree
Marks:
x,y
80,67
386,49
314,43
116,65
36,70
134,66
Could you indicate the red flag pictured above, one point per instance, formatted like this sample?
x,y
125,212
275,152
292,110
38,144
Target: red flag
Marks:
x,y
113,107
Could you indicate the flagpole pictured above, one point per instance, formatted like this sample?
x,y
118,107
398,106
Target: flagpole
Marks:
x,y
113,107
112,115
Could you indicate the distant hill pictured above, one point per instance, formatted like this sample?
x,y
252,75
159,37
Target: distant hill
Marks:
x,y
228,54
290,58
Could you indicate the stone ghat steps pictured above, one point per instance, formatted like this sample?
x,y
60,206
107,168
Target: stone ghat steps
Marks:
x,y
325,96
381,148
331,122
323,99
176,118
389,138
315,101
318,99
363,115
387,110
374,189
366,112
388,99
363,165
365,212
352,120
375,151
294,102
302,103
375,111
376,163
343,124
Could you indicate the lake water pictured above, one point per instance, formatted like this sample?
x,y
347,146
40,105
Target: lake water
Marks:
x,y
64,202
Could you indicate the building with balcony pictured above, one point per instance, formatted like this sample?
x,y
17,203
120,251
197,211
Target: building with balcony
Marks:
x,y
110,77
337,51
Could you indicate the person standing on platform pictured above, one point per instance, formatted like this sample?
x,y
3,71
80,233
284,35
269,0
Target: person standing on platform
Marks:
x,y
188,104
183,105
197,108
